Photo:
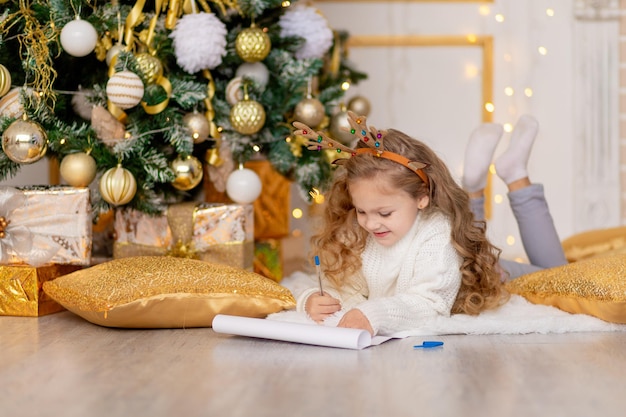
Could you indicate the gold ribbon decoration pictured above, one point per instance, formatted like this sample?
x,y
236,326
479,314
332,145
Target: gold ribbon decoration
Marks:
x,y
180,218
159,107
161,80
213,154
133,19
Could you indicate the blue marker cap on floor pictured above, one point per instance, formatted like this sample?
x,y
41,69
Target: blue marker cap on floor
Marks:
x,y
317,260
428,344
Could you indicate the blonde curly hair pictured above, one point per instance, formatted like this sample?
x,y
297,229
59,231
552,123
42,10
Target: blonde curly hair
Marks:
x,y
341,240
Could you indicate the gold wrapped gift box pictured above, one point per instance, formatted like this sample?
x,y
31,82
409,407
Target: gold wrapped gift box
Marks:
x,y
218,233
21,291
46,225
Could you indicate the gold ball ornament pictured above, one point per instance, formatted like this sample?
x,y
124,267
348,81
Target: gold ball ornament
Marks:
x,y
78,169
253,44
150,66
359,105
340,128
5,80
247,116
125,89
198,126
118,186
24,142
11,104
310,111
188,171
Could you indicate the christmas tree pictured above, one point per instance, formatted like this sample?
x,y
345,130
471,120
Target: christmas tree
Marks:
x,y
136,98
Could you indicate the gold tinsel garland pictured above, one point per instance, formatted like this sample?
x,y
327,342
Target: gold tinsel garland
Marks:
x,y
34,49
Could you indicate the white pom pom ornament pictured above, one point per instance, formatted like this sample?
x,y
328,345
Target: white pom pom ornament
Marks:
x,y
199,42
125,89
305,22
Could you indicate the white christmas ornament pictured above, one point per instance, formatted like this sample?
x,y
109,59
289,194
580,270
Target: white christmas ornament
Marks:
x,y
256,71
234,91
307,23
199,41
243,186
125,89
78,37
112,53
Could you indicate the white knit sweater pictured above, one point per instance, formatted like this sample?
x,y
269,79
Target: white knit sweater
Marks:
x,y
415,279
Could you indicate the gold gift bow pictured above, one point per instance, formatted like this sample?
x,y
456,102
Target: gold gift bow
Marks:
x,y
180,219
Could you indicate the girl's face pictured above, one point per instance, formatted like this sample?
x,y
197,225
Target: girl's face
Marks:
x,y
387,213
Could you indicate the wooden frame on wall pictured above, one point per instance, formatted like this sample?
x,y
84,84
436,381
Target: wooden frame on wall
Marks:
x,y
485,43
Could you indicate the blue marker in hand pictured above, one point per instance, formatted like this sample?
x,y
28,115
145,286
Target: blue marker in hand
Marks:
x,y
319,273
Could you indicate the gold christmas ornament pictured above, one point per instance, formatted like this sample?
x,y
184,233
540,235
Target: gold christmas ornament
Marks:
x,y
188,172
198,126
253,44
247,117
125,89
150,66
24,142
5,80
340,127
310,111
78,169
359,105
118,186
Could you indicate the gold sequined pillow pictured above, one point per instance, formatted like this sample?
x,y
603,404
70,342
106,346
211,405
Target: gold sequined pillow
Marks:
x,y
166,292
597,242
594,286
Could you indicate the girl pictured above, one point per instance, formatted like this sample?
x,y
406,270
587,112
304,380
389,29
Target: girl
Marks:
x,y
398,244
539,237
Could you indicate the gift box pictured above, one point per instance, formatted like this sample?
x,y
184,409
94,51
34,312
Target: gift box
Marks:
x,y
268,259
42,225
21,291
218,233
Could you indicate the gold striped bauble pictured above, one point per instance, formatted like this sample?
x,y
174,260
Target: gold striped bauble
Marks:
x,y
11,104
118,186
125,89
5,80
253,44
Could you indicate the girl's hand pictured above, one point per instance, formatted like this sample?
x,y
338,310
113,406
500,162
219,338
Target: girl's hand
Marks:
x,y
355,319
319,307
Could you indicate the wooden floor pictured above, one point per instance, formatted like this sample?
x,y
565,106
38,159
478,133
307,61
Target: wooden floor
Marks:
x,y
61,365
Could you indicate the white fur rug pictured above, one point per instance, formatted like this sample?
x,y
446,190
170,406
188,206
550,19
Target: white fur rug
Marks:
x,y
517,316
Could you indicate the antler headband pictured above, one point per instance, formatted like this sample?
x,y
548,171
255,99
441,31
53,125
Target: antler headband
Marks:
x,y
372,137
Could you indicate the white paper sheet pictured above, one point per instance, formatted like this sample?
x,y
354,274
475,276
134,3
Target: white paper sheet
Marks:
x,y
311,334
